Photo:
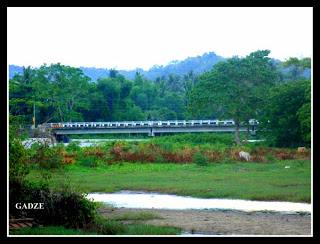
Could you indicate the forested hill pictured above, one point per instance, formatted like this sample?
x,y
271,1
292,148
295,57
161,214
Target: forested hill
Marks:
x,y
197,64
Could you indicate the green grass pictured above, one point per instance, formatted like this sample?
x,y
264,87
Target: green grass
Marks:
x,y
142,229
237,180
113,228
49,230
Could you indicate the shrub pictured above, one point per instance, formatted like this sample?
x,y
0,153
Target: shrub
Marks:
x,y
283,154
200,159
18,160
213,156
89,161
270,158
72,210
68,158
47,157
117,151
73,146
95,151
69,209
258,158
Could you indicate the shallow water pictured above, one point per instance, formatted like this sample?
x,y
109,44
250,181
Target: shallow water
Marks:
x,y
82,142
130,199
94,142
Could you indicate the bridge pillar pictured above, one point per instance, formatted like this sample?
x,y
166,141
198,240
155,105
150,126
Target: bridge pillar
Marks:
x,y
151,133
253,130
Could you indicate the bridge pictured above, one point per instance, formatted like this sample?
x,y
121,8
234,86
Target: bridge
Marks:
x,y
61,130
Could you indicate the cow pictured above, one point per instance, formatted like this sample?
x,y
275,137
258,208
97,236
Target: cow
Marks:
x,y
244,155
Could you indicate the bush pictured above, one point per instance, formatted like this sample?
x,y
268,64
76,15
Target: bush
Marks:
x,y
94,151
18,160
270,157
200,159
73,147
47,157
72,209
69,209
89,161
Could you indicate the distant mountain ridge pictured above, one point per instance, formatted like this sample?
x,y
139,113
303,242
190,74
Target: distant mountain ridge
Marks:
x,y
198,64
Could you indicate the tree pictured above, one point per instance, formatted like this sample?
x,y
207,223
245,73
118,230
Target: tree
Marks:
x,y
297,66
113,73
287,114
234,89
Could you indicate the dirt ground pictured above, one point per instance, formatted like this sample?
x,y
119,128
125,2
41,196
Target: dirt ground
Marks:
x,y
224,222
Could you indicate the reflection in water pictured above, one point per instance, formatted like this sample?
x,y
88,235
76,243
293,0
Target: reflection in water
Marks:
x,y
129,199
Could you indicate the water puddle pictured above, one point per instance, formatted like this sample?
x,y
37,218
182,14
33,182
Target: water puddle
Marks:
x,y
95,142
143,200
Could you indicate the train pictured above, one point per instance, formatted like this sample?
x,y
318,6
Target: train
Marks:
x,y
165,123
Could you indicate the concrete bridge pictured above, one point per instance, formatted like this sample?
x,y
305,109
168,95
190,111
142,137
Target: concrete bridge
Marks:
x,y
61,130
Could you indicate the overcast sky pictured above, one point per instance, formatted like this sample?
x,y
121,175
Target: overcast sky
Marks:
x,y
126,38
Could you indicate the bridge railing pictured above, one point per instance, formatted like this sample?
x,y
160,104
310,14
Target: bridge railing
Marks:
x,y
146,124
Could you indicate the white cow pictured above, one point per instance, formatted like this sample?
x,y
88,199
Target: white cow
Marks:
x,y
244,155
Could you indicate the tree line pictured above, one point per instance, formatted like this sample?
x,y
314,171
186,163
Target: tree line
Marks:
x,y
235,88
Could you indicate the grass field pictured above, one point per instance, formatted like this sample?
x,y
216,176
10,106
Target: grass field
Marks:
x,y
132,229
237,180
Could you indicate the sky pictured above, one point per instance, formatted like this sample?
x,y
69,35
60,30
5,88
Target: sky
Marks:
x,y
128,38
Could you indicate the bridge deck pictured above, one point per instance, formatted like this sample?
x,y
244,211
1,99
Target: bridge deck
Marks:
x,y
147,130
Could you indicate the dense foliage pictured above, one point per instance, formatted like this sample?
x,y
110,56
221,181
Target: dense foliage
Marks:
x,y
287,114
253,87
62,93
235,88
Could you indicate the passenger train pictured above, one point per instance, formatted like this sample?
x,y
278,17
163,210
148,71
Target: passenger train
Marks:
x,y
166,123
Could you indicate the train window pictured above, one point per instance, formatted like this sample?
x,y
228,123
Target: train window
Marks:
x,y
81,125
145,124
196,123
213,123
155,123
113,124
180,123
164,123
121,125
204,123
172,123
129,124
188,123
